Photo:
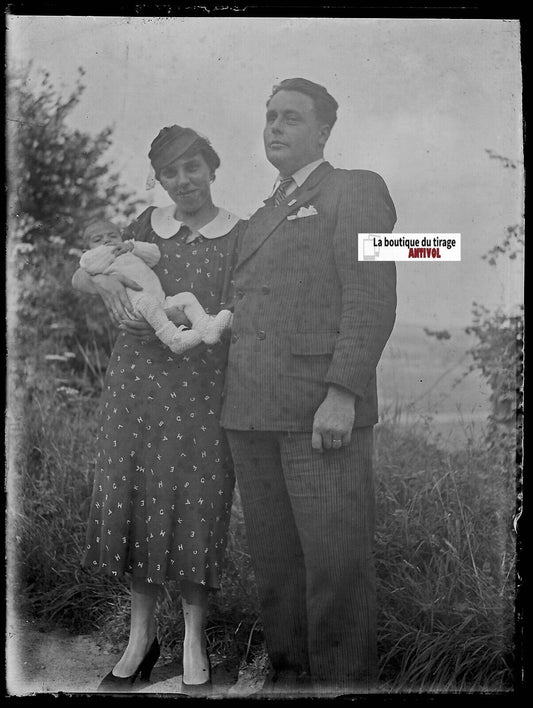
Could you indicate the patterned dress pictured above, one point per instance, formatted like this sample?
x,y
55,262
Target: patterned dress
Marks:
x,y
164,478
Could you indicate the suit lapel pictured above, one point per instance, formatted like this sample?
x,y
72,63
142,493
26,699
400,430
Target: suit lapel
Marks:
x,y
265,221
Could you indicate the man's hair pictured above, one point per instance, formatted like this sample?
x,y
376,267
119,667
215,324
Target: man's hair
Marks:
x,y
325,105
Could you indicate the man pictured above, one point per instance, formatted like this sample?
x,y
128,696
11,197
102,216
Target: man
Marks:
x,y
310,324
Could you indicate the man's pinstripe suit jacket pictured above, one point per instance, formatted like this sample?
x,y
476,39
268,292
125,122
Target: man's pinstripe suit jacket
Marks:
x,y
307,313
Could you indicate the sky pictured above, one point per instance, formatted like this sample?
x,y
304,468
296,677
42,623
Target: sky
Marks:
x,y
421,101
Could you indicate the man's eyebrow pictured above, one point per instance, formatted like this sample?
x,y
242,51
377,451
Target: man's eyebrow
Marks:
x,y
288,112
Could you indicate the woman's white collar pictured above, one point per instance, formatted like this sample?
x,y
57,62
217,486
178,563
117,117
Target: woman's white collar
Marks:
x,y
166,225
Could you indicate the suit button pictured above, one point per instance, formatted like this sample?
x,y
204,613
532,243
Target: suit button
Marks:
x,y
261,334
234,338
265,289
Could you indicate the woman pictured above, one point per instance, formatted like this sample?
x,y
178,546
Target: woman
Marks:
x,y
164,482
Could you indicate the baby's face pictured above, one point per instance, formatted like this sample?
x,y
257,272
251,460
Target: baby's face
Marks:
x,y
102,233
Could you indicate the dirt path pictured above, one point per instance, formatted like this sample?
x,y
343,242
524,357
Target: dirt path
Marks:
x,y
59,662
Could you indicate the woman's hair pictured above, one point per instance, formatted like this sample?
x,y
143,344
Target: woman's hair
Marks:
x,y
174,142
204,147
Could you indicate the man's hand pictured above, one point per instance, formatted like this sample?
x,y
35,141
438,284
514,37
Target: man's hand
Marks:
x,y
112,290
333,421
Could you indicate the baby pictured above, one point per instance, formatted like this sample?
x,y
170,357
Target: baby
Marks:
x,y
108,254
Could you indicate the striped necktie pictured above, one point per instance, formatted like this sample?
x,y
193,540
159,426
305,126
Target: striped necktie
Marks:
x,y
281,191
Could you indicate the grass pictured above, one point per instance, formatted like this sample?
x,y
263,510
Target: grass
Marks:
x,y
445,562
51,509
444,554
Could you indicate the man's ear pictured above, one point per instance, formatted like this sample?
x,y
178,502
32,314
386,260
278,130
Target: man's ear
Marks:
x,y
325,131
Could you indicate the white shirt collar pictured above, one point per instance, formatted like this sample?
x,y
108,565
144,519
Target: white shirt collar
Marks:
x,y
166,225
300,175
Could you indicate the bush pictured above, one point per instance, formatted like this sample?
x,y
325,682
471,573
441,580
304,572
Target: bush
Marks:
x,y
58,179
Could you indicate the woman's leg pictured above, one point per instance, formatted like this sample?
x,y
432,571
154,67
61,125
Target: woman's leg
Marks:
x,y
194,602
142,626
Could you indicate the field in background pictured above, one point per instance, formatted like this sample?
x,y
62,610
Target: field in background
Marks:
x,y
425,380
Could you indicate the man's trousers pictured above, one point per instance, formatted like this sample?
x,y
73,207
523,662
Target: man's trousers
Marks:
x,y
310,525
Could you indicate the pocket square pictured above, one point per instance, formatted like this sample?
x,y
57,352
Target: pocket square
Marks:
x,y
303,212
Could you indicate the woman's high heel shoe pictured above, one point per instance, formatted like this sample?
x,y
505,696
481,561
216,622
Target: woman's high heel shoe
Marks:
x,y
112,683
194,689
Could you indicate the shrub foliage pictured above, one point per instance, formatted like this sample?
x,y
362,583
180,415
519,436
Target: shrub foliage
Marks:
x,y
59,178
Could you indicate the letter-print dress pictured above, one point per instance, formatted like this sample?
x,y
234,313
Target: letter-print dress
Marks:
x,y
164,477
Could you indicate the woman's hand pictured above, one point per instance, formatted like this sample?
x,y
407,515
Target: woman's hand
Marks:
x,y
112,290
141,329
138,328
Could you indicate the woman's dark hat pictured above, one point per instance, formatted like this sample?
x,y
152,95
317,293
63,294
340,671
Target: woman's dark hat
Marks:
x,y
170,143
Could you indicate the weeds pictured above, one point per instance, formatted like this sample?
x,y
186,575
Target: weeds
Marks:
x,y
444,556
